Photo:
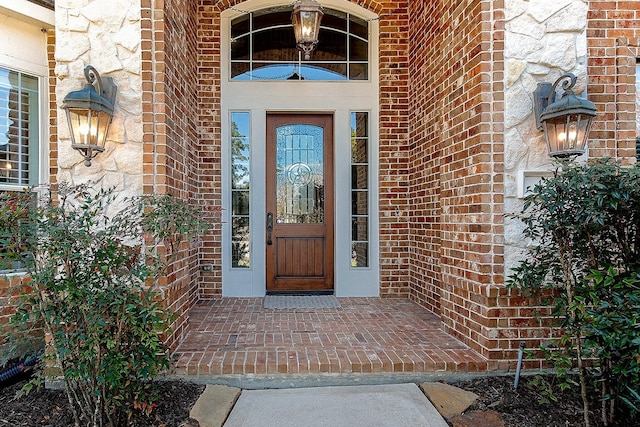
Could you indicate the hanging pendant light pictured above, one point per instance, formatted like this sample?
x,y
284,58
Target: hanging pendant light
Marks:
x,y
306,18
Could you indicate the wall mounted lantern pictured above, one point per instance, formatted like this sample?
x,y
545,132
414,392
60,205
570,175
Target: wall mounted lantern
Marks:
x,y
306,18
565,122
89,113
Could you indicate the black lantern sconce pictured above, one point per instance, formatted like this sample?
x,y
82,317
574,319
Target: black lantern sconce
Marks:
x,y
565,122
89,114
306,18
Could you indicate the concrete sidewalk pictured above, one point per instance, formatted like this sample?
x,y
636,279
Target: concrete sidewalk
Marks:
x,y
390,405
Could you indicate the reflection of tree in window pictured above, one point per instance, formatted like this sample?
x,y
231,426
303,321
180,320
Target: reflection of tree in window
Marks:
x,y
239,153
240,191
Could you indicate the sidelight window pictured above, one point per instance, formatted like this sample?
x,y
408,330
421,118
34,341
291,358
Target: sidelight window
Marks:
x,y
240,190
360,194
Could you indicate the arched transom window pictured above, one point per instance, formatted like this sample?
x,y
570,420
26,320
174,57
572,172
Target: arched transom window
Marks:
x,y
263,47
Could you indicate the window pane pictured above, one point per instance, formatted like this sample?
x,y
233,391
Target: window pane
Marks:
x,y
240,26
359,177
359,27
332,46
278,44
358,71
358,49
240,189
359,202
360,254
334,19
359,228
240,203
240,48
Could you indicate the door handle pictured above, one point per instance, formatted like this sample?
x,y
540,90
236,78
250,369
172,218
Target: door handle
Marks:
x,y
269,228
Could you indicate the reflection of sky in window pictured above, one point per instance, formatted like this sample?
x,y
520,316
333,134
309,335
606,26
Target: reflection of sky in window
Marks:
x,y
284,71
242,123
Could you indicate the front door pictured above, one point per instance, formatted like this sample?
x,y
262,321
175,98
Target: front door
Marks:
x,y
299,202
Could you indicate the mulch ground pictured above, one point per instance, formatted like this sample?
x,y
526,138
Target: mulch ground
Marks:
x,y
50,408
521,408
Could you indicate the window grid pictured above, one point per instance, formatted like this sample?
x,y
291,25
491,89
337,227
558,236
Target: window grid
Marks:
x,y
240,141
360,194
19,128
293,69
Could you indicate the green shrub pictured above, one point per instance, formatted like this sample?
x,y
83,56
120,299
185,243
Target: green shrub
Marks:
x,y
93,259
585,226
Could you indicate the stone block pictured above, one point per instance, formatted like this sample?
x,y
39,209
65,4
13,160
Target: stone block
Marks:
x,y
214,405
448,400
477,418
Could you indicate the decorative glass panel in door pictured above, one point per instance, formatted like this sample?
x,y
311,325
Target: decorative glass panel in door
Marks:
x,y
300,174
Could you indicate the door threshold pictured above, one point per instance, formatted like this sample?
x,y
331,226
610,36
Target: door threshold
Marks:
x,y
300,293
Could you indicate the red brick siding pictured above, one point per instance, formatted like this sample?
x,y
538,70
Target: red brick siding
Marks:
x,y
456,163
171,142
209,124
394,178
613,40
53,109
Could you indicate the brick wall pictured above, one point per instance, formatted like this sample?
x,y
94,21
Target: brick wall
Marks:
x,y
613,44
456,69
209,125
53,109
171,142
14,343
394,182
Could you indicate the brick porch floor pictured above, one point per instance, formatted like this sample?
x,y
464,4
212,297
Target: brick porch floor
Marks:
x,y
367,335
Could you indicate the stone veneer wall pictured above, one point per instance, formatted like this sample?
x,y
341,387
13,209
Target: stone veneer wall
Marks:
x,y
543,40
152,140
105,34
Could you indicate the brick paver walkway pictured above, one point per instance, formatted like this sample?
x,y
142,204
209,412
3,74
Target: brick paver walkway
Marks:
x,y
239,336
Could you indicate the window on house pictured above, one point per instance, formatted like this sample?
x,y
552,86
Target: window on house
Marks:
x,y
638,109
263,47
359,189
240,190
19,129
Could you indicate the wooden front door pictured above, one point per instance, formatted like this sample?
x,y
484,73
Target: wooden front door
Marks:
x,y
299,202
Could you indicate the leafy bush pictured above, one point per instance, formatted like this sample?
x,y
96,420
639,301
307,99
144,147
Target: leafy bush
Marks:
x,y
585,223
93,273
